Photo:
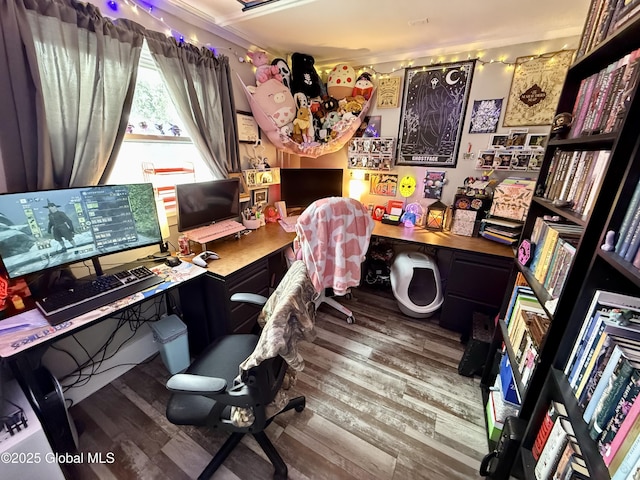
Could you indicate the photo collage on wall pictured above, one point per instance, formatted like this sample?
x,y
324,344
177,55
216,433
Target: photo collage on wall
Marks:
x,y
516,150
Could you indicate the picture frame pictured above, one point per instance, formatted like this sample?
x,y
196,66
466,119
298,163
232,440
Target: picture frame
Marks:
x,y
485,115
433,107
245,195
536,141
261,196
248,131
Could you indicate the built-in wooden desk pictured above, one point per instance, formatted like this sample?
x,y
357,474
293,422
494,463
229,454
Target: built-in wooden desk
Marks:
x,y
475,272
442,240
252,263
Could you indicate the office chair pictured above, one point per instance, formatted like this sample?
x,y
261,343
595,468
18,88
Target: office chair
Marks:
x,y
332,239
212,393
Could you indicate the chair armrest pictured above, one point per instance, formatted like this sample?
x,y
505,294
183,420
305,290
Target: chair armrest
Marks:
x,y
196,384
249,298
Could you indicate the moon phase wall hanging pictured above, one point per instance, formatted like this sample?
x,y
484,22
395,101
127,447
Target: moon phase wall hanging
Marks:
x,y
435,99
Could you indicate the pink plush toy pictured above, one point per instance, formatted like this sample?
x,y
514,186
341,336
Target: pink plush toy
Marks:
x,y
264,70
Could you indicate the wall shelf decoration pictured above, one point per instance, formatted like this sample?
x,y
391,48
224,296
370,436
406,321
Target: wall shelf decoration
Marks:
x,y
371,153
261,178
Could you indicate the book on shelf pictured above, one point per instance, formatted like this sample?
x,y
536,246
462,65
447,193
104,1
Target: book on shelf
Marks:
x,y
575,470
621,411
570,454
555,410
628,11
612,394
627,456
591,363
561,433
586,348
630,218
628,429
594,374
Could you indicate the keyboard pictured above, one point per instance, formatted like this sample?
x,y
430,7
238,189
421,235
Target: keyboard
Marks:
x,y
90,295
291,219
215,231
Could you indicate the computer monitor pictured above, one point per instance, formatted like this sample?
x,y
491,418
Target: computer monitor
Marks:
x,y
46,229
300,187
205,203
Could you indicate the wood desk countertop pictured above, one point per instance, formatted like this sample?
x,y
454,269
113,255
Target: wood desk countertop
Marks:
x,y
442,239
235,254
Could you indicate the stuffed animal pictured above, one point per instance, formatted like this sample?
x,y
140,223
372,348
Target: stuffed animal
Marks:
x,y
303,127
304,77
284,70
341,81
329,104
363,86
264,71
276,101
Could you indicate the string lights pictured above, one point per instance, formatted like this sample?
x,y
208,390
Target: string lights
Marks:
x,y
441,60
148,9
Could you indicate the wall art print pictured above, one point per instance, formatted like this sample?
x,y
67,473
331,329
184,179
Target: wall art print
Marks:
x,y
383,184
435,99
485,116
535,88
388,92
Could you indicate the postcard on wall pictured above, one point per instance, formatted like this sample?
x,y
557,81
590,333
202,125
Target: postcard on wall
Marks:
x,y
388,92
535,88
485,116
433,183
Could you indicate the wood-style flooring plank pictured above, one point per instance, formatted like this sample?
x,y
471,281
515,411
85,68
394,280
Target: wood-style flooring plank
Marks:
x,y
384,401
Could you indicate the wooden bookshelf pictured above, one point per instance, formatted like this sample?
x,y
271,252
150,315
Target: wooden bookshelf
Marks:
x,y
592,268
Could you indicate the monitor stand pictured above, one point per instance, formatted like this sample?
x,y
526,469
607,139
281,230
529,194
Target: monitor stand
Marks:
x,y
97,267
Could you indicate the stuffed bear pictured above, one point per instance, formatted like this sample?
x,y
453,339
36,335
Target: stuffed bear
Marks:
x,y
275,101
304,77
264,71
284,70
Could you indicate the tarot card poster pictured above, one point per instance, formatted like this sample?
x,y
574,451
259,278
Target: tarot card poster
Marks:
x,y
434,102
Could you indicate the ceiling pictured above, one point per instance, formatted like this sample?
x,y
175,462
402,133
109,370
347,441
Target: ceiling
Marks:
x,y
361,32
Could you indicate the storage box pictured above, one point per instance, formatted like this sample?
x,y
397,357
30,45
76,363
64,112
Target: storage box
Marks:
x,y
171,333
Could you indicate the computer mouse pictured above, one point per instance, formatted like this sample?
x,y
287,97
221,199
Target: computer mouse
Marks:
x,y
173,261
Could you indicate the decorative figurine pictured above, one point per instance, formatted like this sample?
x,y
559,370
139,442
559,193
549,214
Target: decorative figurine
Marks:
x,y
561,124
609,241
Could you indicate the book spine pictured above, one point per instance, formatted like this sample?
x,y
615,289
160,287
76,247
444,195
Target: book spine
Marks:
x,y
614,360
633,245
588,27
629,461
616,79
634,203
626,241
628,89
621,411
603,160
553,448
576,128
636,260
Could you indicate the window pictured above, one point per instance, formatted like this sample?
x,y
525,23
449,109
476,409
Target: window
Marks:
x,y
155,148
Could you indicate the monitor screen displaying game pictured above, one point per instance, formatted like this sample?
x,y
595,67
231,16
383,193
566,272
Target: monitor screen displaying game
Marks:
x,y
300,187
46,229
205,203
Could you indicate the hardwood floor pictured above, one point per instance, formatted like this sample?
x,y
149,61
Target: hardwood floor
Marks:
x,y
384,401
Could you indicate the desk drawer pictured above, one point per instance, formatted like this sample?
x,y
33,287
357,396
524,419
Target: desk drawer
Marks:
x,y
478,278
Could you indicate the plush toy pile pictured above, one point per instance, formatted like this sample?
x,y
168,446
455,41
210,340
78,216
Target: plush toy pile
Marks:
x,y
302,107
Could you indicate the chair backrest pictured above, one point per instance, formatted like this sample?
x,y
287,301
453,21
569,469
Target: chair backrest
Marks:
x,y
333,236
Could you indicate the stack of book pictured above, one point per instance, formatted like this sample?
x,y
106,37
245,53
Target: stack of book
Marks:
x,y
499,230
603,371
605,17
555,246
628,244
527,325
575,177
555,448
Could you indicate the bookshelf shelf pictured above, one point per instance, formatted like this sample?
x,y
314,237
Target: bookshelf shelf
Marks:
x,y
563,212
625,268
608,165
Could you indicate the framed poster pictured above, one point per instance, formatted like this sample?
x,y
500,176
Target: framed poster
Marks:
x,y
435,99
248,131
388,93
383,184
535,89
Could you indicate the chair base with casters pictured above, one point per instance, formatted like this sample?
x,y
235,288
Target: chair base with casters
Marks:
x,y
211,377
323,298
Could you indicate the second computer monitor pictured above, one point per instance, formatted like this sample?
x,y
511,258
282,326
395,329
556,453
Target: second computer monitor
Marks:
x,y
300,187
205,203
